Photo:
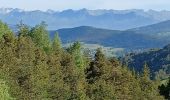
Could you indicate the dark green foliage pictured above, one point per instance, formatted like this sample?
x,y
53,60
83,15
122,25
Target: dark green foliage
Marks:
x,y
165,90
98,74
157,59
36,69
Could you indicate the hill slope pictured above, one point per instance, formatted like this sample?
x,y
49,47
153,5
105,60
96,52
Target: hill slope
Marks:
x,y
154,28
152,36
158,60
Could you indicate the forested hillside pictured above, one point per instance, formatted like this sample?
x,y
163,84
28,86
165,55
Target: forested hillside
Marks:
x,y
157,59
151,36
33,67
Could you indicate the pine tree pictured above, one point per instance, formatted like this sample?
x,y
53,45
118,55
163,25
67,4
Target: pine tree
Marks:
x,y
57,89
68,70
98,75
23,30
9,63
39,77
75,51
56,45
148,87
26,57
36,69
79,75
40,36
4,29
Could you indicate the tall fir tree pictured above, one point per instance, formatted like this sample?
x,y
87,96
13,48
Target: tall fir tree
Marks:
x,y
9,63
26,57
23,29
39,76
76,52
40,36
57,89
148,87
4,29
98,75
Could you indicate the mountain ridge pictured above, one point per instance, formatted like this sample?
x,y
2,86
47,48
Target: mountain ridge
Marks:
x,y
157,59
154,37
109,19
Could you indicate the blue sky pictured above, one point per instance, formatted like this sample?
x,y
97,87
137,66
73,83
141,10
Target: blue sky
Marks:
x,y
89,4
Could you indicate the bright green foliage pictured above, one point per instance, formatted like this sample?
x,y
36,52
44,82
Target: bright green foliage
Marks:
x,y
75,50
34,68
40,36
79,67
56,45
148,87
4,91
4,29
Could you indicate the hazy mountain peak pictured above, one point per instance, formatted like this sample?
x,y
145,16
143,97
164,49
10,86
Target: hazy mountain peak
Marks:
x,y
5,10
50,11
102,18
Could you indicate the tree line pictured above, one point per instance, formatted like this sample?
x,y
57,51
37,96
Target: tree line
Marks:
x,y
34,67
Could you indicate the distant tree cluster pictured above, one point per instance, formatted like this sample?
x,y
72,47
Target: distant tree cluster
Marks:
x,y
34,67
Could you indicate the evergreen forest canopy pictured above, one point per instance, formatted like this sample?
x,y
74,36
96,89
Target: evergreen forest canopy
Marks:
x,y
33,67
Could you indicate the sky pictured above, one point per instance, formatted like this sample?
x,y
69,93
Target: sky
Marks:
x,y
60,5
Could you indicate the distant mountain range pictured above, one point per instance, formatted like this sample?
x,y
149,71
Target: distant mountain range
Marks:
x,y
129,29
109,19
151,36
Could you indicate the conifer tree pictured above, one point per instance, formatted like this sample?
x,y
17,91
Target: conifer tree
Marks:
x,y
56,45
4,29
34,68
79,75
149,89
39,76
26,57
68,70
9,63
57,89
23,30
40,36
75,51
98,75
